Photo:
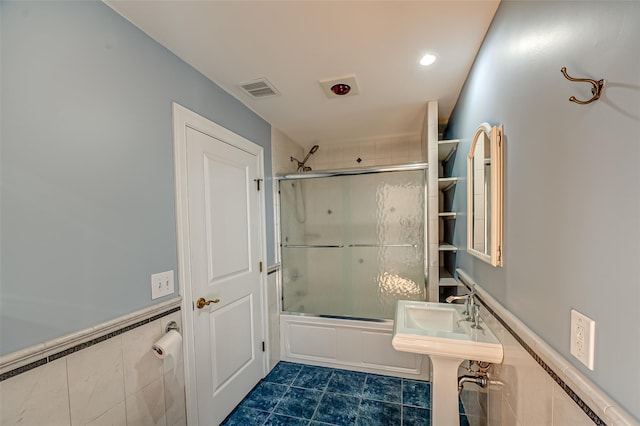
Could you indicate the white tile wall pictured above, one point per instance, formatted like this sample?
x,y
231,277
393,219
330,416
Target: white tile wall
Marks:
x,y
115,382
36,397
522,393
146,406
96,380
141,366
282,149
381,152
526,390
565,411
115,416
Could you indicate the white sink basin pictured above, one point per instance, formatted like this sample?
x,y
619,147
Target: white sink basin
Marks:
x,y
438,330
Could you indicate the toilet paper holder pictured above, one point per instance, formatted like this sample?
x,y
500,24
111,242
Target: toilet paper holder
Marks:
x,y
169,345
172,326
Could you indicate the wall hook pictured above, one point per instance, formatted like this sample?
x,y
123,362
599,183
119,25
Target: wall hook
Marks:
x,y
595,90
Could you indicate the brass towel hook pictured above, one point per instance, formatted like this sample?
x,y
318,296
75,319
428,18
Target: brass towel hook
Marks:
x,y
595,90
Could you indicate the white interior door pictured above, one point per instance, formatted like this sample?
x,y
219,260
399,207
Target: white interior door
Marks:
x,y
225,247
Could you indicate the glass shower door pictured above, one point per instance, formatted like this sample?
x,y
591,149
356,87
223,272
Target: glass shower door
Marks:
x,y
353,245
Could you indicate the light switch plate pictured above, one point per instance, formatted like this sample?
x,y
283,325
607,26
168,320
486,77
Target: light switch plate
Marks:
x,y
162,284
583,333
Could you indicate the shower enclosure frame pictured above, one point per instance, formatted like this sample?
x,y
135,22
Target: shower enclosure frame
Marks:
x,y
375,334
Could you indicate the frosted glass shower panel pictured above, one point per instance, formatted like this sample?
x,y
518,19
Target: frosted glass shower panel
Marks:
x,y
312,211
353,245
381,276
387,208
309,286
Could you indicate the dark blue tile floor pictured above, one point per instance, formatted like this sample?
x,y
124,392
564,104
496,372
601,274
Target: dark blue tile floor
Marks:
x,y
305,395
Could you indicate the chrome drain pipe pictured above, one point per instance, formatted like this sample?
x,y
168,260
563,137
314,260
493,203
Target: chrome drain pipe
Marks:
x,y
481,381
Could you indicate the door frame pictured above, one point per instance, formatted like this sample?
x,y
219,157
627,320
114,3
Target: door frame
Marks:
x,y
184,118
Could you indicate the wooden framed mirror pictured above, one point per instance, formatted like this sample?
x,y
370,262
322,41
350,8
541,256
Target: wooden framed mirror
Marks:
x,y
485,194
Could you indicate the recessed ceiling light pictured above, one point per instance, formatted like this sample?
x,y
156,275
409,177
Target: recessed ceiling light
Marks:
x,y
428,59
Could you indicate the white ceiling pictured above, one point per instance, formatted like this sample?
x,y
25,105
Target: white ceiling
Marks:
x,y
294,44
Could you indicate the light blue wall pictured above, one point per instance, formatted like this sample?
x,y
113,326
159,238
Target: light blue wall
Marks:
x,y
572,212
88,199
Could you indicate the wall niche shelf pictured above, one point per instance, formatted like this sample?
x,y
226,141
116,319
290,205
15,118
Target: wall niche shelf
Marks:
x,y
446,149
447,183
447,215
447,279
447,247
447,282
441,156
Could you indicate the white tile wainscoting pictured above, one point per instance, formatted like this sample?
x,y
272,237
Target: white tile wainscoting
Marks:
x,y
106,375
535,385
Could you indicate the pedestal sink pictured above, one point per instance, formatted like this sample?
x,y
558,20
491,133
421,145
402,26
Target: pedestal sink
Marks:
x,y
439,330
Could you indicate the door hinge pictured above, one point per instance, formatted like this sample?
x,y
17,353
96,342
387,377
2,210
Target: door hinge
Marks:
x,y
261,266
263,347
258,183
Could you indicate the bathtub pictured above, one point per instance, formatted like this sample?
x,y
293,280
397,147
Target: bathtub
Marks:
x,y
354,344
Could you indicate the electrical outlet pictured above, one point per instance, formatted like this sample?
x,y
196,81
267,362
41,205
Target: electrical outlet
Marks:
x,y
161,284
583,333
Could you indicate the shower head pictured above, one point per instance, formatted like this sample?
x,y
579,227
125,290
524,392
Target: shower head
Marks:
x,y
301,164
311,151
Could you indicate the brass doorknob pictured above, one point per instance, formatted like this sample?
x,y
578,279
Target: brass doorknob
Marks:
x,y
201,303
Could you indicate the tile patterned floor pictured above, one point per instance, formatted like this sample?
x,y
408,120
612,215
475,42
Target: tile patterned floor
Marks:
x,y
297,394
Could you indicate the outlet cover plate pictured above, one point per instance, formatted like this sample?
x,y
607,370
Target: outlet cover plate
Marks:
x,y
583,333
162,284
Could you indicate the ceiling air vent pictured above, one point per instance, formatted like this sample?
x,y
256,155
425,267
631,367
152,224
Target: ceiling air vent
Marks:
x,y
259,88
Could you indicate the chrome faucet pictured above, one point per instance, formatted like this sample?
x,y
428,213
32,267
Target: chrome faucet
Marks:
x,y
476,318
470,303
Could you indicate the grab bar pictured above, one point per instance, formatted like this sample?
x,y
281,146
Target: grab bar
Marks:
x,y
383,245
350,245
312,246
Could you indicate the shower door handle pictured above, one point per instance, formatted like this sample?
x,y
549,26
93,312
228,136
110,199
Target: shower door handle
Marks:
x,y
201,303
